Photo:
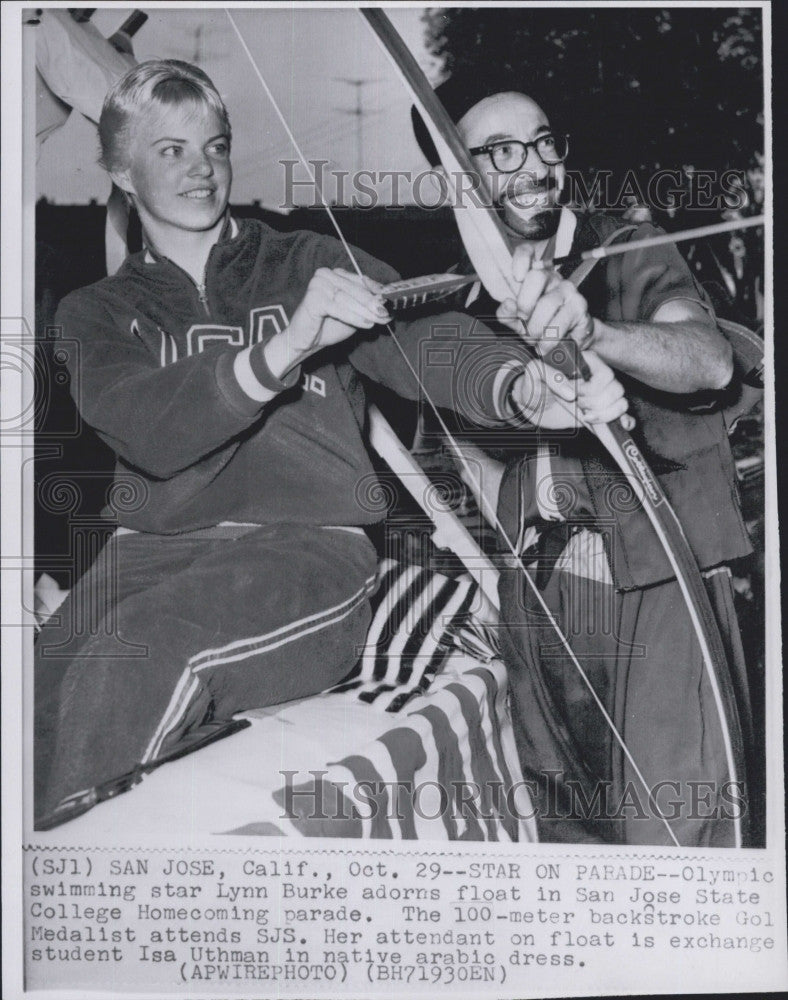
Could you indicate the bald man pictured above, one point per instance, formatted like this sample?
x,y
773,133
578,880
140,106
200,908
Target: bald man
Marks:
x,y
599,565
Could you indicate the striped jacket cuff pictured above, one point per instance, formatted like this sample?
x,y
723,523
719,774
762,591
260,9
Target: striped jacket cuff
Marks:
x,y
256,378
504,379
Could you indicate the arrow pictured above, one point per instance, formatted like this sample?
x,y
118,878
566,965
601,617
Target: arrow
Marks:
x,y
432,287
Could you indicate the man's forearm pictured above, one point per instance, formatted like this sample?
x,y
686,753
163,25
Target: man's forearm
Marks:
x,y
682,357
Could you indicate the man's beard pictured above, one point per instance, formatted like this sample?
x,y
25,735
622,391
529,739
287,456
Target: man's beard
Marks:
x,y
541,226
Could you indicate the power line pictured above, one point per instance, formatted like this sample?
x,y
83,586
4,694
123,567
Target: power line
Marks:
x,y
325,131
357,112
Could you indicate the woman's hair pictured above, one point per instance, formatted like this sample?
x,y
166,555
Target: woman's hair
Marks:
x,y
148,86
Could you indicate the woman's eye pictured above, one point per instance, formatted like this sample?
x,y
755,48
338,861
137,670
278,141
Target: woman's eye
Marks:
x,y
171,151
220,148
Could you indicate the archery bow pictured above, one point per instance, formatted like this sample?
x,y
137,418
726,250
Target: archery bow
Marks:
x,y
614,437
488,250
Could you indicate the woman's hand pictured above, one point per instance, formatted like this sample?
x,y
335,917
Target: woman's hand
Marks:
x,y
336,304
547,307
548,399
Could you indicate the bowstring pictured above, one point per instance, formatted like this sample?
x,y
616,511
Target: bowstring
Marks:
x,y
467,469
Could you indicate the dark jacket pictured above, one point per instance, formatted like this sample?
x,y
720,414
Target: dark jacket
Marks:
x,y
155,377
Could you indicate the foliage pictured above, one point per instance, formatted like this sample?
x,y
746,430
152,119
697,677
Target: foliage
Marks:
x,y
643,88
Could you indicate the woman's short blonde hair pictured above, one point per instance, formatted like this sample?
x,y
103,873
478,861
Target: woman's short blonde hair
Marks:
x,y
148,86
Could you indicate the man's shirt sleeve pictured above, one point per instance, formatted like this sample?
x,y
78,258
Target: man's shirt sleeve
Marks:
x,y
640,281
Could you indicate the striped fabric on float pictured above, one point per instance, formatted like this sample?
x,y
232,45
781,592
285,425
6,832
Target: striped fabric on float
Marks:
x,y
418,616
447,769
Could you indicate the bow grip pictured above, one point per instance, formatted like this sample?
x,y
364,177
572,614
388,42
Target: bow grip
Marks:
x,y
566,357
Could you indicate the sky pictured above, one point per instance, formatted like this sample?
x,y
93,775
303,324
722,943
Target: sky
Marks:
x,y
306,57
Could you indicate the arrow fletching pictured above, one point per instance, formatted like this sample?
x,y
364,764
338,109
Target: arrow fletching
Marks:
x,y
413,292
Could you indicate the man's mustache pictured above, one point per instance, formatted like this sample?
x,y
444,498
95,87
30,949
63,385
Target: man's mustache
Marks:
x,y
524,191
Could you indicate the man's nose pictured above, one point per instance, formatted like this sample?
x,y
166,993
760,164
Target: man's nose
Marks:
x,y
534,163
533,171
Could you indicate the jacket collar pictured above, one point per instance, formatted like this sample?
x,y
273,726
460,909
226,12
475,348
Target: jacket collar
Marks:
x,y
229,231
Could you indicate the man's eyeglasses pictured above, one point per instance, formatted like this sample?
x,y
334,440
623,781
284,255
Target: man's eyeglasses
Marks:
x,y
508,155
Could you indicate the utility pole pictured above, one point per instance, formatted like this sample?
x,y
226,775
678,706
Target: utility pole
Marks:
x,y
199,47
358,113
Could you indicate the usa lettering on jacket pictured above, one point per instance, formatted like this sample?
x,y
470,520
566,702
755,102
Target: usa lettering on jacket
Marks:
x,y
264,322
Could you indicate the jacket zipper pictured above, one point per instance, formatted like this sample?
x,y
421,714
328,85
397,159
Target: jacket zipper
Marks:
x,y
202,287
202,293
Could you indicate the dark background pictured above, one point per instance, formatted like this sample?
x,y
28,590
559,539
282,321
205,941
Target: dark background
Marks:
x,y
636,88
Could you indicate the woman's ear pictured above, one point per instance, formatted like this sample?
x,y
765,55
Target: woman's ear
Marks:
x,y
121,179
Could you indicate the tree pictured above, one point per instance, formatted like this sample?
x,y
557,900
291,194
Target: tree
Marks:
x,y
641,89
